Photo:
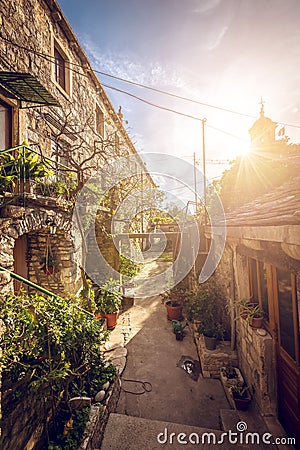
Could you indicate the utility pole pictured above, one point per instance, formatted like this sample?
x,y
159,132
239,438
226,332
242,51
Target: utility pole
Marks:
x,y
204,168
195,184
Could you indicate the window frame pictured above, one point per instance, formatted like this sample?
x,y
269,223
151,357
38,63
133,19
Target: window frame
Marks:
x,y
99,124
252,278
65,85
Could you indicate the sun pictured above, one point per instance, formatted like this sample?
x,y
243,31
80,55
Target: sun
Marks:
x,y
244,151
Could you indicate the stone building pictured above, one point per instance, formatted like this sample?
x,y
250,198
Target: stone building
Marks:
x,y
261,263
51,99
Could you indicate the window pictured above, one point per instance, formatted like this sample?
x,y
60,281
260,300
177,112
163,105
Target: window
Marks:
x,y
258,285
117,142
61,71
59,68
287,304
99,121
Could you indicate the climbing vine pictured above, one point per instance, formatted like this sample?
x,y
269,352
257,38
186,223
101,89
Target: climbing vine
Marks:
x,y
52,347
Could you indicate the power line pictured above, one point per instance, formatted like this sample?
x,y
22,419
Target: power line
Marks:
x,y
189,116
52,58
152,104
171,110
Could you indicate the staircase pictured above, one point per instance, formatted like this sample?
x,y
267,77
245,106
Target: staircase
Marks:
x,y
134,433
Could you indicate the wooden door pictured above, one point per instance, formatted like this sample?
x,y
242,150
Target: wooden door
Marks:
x,y
20,262
286,333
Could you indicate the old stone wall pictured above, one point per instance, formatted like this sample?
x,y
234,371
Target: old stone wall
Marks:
x,y
256,358
29,29
33,223
24,416
255,351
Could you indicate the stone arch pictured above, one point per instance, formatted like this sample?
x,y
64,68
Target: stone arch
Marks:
x,y
35,224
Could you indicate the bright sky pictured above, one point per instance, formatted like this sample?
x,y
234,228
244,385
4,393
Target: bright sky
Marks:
x,y
227,53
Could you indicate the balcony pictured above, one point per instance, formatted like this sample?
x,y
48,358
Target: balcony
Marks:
x,y
27,175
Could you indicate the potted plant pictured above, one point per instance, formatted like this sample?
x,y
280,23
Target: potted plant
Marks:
x,y
230,375
174,303
48,263
241,396
212,332
243,306
252,312
108,300
178,330
255,315
25,167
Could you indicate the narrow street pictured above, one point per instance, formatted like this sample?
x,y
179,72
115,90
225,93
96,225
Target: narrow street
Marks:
x,y
173,400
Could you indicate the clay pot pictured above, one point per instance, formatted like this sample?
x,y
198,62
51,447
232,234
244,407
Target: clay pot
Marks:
x,y
241,404
174,310
256,322
210,342
111,320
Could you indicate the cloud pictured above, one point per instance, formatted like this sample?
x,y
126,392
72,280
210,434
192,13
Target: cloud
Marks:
x,y
125,66
206,6
217,41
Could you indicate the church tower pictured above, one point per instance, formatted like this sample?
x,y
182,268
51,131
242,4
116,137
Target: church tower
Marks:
x,y
262,132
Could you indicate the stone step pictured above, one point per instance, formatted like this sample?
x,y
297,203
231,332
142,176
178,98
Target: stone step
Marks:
x,y
134,433
229,419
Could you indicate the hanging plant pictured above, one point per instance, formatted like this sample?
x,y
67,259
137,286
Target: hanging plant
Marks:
x,y
48,262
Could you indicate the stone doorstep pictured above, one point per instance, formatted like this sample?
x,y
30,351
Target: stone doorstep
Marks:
x,y
229,419
136,433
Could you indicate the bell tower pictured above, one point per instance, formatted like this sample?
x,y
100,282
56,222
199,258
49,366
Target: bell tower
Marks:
x,y
262,132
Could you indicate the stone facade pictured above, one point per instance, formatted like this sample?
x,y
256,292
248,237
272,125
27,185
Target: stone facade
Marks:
x,y
255,353
256,356
213,360
33,223
84,133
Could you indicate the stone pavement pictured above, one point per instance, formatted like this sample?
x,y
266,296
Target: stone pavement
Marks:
x,y
175,401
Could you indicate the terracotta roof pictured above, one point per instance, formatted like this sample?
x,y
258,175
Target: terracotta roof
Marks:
x,y
279,207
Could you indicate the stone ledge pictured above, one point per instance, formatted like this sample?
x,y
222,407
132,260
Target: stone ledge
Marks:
x,y
99,418
213,360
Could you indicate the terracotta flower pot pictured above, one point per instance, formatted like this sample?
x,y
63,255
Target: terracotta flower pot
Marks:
x,y
111,320
174,310
256,322
241,404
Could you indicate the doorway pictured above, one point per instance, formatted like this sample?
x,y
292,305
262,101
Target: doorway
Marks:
x,y
20,262
286,336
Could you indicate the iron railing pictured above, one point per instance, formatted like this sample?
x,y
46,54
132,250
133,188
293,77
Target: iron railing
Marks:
x,y
24,170
37,287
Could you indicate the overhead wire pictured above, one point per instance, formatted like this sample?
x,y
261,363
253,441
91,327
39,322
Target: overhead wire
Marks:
x,y
52,58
